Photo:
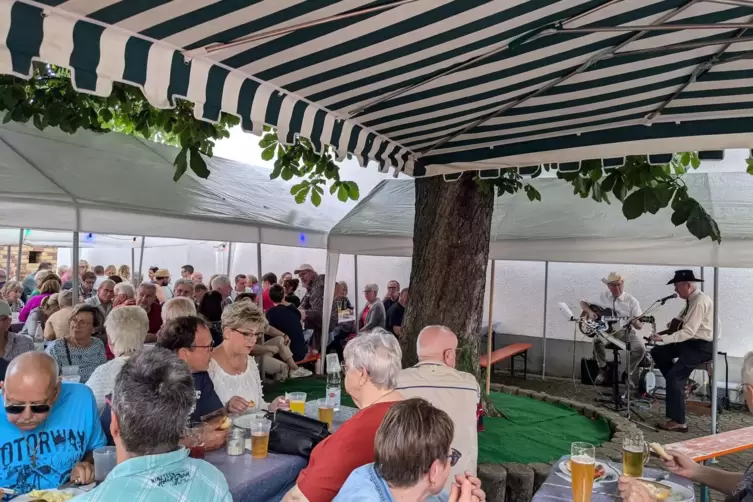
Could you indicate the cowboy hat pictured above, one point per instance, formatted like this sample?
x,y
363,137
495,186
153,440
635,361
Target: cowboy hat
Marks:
x,y
684,276
613,277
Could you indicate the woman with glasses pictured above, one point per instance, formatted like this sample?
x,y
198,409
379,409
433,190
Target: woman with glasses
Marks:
x,y
79,348
11,293
233,371
412,460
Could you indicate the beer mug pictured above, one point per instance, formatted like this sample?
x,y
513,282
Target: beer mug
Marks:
x,y
582,466
635,454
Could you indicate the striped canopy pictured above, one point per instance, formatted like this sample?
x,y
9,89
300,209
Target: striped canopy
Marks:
x,y
425,86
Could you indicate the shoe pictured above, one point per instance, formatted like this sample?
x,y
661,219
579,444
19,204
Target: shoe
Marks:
x,y
600,377
673,426
300,373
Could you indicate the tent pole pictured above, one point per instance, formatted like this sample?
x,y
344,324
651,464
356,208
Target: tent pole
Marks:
x,y
546,301
140,277
355,275
75,276
258,276
7,265
133,262
229,257
20,252
490,335
714,407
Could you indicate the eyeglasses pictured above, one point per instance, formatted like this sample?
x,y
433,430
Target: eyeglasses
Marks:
x,y
80,322
17,409
211,344
247,334
454,457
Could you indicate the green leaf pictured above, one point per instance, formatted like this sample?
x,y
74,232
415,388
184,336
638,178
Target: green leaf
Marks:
x,y
681,213
663,193
695,161
619,190
608,183
333,187
353,191
342,193
268,140
596,192
533,194
685,158
268,153
316,198
651,202
632,206
701,225
180,163
300,197
38,123
750,165
198,164
596,174
287,173
300,186
105,115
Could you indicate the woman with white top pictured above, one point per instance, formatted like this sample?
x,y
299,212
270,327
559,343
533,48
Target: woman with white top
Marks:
x,y
234,373
126,331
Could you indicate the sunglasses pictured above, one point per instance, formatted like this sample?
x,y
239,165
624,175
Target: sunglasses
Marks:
x,y
454,457
17,409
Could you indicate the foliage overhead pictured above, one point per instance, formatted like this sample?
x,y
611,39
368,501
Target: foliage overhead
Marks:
x,y
48,99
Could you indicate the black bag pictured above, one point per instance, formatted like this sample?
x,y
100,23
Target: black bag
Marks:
x,y
294,434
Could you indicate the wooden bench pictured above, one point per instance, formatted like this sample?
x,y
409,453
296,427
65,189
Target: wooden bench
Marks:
x,y
509,352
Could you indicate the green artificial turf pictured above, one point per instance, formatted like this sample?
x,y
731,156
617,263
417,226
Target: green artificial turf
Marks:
x,y
534,431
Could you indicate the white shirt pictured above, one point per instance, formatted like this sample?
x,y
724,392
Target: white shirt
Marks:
x,y
100,279
102,380
697,322
246,385
624,305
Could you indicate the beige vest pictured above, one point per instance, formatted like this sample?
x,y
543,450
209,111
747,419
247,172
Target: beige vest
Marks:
x,y
457,394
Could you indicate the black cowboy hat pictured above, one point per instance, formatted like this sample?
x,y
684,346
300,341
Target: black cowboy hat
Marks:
x,y
684,276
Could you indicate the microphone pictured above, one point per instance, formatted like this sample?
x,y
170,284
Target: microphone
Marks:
x,y
670,297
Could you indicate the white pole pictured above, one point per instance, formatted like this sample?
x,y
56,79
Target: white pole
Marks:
x,y
546,302
490,334
7,266
259,274
355,274
20,252
140,277
75,276
229,257
715,349
133,260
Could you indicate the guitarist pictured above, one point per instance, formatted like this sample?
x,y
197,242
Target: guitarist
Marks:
x,y
625,305
690,343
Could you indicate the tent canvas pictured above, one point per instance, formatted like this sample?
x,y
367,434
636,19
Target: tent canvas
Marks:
x,y
119,184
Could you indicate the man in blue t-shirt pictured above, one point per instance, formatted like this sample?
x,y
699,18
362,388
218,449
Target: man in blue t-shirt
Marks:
x,y
48,430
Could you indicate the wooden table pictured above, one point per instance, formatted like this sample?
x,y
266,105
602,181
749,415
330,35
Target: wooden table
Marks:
x,y
716,445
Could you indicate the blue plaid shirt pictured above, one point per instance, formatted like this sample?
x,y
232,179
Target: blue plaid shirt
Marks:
x,y
166,477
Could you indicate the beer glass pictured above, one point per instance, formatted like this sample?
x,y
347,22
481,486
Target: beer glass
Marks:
x,y
297,402
326,411
582,466
260,438
635,454
195,441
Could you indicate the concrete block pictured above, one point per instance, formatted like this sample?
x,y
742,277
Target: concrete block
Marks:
x,y
540,473
520,478
493,481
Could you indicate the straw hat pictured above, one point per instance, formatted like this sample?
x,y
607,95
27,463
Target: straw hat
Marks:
x,y
613,277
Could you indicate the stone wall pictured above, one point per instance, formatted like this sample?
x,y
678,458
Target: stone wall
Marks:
x,y
42,254
513,482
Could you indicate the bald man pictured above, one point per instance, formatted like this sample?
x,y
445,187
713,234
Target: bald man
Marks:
x,y
455,392
49,429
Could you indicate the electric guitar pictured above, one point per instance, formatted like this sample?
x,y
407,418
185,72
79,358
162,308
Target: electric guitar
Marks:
x,y
607,312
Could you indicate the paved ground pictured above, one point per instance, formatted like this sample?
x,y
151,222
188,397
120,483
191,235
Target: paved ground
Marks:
x,y
699,425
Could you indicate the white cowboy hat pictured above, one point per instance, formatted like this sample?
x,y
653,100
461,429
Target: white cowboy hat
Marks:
x,y
613,277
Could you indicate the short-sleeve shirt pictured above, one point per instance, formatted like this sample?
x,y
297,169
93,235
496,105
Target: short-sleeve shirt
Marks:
x,y
625,305
86,358
332,460
162,477
17,344
42,459
288,320
207,400
395,316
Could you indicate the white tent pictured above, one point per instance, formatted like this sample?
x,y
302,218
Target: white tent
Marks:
x,y
119,184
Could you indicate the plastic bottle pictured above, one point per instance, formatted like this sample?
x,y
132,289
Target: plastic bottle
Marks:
x,y
333,380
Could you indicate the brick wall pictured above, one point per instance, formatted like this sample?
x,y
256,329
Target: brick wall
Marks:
x,y
42,254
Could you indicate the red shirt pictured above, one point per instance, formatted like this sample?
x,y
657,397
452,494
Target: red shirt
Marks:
x,y
364,314
155,318
350,447
266,301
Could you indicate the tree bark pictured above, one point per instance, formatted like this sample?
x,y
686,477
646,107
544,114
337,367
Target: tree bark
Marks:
x,y
451,233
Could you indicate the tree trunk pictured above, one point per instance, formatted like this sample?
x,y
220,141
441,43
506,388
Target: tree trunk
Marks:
x,y
450,253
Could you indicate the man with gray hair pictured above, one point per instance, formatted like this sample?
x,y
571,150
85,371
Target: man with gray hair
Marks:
x,y
103,299
125,295
146,298
152,399
184,288
455,392
221,283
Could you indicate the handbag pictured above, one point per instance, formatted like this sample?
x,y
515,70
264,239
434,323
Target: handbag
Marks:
x,y
294,434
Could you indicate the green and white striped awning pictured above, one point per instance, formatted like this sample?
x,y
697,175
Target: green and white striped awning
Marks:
x,y
425,86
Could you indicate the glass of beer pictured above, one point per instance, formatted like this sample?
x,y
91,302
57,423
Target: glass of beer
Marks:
x,y
297,402
260,438
582,466
326,411
635,454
